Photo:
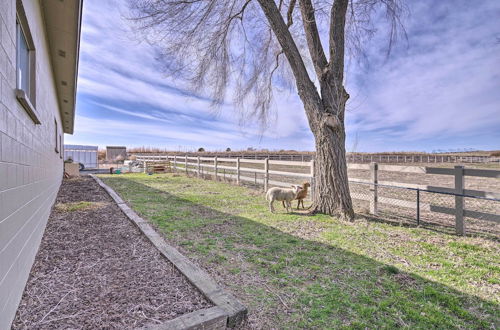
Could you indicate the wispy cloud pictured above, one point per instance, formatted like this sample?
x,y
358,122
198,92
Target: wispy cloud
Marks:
x,y
445,85
440,92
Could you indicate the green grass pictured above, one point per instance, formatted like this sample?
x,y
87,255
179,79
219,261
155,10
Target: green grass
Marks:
x,y
296,271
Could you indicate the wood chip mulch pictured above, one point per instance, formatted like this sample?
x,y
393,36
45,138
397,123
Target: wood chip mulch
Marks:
x,y
95,270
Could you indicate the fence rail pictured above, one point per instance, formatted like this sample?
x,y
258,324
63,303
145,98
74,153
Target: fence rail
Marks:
x,y
424,158
239,172
351,157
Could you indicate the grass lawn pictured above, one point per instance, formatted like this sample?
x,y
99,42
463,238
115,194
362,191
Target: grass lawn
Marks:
x,y
316,272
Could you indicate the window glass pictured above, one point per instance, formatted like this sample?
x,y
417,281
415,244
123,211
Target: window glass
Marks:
x,y
23,62
55,126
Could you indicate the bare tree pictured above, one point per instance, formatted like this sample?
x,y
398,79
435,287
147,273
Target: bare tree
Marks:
x,y
245,48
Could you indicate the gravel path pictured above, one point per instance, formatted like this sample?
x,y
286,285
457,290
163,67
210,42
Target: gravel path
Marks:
x,y
94,270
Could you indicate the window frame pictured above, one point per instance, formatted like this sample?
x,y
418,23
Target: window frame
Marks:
x,y
56,130
27,99
61,147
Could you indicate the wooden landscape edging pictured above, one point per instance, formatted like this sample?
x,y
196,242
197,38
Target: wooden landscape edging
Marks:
x,y
209,318
227,312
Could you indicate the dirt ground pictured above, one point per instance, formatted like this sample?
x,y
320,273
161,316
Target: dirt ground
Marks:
x,y
95,270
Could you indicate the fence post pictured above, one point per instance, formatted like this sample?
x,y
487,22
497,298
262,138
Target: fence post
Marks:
x,y
459,200
311,173
266,175
175,163
418,207
238,170
145,167
186,164
374,188
198,161
215,169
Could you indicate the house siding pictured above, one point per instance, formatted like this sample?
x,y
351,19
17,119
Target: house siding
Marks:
x,y
30,169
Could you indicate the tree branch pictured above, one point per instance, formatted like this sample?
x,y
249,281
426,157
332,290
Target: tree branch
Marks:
x,y
305,87
289,13
337,39
312,36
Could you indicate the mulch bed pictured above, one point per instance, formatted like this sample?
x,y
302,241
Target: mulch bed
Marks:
x,y
95,269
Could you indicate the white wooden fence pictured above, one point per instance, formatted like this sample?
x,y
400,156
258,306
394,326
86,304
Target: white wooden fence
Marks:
x,y
354,157
239,173
201,164
424,158
458,191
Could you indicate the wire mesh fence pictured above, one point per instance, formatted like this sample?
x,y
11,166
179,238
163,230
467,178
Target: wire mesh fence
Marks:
x,y
399,205
419,207
404,195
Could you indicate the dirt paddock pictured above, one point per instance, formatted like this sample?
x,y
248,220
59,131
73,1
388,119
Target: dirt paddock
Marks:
x,y
95,270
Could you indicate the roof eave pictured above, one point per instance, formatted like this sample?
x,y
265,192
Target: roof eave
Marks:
x,y
63,21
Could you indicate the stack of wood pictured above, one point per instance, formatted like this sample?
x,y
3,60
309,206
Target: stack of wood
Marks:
x,y
161,167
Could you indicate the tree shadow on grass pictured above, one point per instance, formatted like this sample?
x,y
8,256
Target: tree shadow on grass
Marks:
x,y
291,282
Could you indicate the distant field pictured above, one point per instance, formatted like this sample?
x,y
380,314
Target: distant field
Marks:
x,y
490,159
493,153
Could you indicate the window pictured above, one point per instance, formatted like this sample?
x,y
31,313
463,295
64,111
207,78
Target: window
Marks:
x,y
23,62
25,65
61,147
57,136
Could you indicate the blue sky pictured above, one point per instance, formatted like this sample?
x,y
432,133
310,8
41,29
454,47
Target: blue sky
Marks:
x,y
441,90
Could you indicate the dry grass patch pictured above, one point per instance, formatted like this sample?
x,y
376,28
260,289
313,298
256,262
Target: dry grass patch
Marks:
x,y
78,206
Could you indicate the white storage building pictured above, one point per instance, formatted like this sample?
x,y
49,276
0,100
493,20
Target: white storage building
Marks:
x,y
86,156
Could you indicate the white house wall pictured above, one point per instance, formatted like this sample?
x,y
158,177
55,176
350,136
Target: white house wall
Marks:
x,y
30,169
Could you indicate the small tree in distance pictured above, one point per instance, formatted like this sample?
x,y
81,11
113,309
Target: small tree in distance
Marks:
x,y
201,149
228,149
260,44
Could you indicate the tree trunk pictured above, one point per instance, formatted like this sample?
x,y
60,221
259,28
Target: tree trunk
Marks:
x,y
331,186
324,112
